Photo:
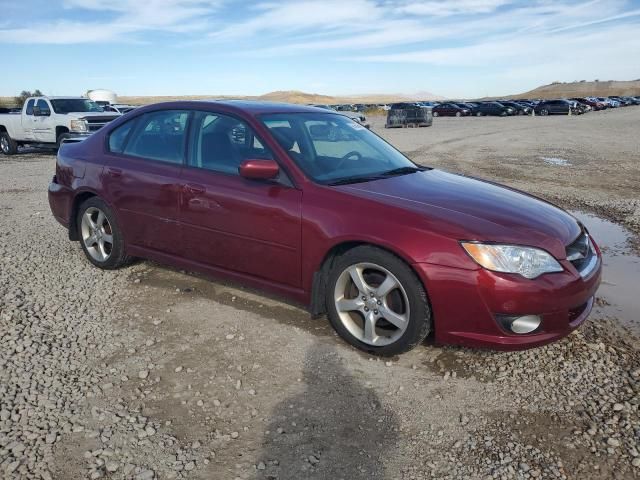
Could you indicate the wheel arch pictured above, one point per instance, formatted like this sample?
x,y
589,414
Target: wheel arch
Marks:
x,y
60,130
321,275
80,198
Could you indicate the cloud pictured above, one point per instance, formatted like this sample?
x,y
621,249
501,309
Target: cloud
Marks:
x,y
113,21
453,7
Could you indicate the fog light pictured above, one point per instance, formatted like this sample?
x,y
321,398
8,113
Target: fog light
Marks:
x,y
519,324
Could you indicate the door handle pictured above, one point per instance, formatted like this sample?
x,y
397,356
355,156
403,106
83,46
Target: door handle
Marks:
x,y
193,189
114,172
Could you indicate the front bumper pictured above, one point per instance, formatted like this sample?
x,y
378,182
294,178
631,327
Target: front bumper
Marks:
x,y
464,304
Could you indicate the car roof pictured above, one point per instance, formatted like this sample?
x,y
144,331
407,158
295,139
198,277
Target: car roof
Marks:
x,y
249,107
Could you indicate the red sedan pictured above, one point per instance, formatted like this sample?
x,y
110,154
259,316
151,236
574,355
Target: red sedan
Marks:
x,y
311,205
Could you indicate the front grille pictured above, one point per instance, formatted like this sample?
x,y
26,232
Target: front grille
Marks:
x,y
582,255
96,123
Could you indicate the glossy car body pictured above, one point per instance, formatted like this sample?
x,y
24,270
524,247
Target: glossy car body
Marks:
x,y
450,110
555,107
494,108
281,235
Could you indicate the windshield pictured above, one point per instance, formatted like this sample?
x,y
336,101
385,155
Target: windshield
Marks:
x,y
332,148
80,105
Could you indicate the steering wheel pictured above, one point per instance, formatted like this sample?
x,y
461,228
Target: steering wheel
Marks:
x,y
353,153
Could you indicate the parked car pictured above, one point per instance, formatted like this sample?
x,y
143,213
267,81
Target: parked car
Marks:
x,y
356,116
118,108
493,108
48,121
555,107
519,108
408,114
450,110
312,206
594,104
611,103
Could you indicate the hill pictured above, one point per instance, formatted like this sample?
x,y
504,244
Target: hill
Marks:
x,y
582,89
288,96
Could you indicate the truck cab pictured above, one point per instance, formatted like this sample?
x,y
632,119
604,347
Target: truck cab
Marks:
x,y
49,121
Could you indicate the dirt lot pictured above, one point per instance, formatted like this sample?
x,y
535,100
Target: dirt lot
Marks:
x,y
151,373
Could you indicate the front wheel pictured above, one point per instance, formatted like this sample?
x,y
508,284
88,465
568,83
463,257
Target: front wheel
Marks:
x,y
435,114
544,111
478,114
100,235
8,145
376,302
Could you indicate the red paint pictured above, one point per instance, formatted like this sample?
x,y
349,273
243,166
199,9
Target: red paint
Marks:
x,y
275,236
259,169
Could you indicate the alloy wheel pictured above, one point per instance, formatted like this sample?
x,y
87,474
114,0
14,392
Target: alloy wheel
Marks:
x,y
4,144
97,234
372,304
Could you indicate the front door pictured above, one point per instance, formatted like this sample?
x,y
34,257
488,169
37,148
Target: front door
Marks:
x,y
43,126
141,178
229,222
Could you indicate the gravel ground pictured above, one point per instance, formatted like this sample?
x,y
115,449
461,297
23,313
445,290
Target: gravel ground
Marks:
x,y
149,372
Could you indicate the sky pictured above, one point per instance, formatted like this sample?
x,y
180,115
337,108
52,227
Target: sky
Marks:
x,y
453,48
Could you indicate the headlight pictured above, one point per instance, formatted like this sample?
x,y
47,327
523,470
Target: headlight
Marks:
x,y
78,125
526,261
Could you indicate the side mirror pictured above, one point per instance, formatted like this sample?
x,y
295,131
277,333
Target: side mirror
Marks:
x,y
259,169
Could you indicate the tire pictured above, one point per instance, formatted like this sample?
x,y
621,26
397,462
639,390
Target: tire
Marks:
x,y
544,112
435,114
94,236
478,114
8,145
458,114
61,138
405,302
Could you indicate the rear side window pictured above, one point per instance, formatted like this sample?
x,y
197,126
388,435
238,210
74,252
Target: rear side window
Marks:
x,y
29,110
118,137
159,136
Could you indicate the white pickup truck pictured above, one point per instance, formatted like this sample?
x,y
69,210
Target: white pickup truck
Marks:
x,y
48,121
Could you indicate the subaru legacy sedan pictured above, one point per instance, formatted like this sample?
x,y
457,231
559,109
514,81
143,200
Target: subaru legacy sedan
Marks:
x,y
312,206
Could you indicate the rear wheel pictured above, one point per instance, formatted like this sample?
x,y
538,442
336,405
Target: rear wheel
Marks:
x,y
100,235
376,302
8,146
458,114
435,114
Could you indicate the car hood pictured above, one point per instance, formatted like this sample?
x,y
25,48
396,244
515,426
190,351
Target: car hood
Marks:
x,y
465,208
79,115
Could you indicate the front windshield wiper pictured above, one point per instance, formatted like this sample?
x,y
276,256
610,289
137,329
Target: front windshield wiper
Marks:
x,y
349,180
377,176
401,171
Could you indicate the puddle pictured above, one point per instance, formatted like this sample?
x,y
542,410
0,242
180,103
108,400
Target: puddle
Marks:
x,y
556,161
621,273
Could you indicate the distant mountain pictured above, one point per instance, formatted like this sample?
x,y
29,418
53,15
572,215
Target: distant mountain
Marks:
x,y
289,96
582,89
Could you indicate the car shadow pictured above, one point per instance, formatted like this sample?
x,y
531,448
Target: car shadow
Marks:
x,y
336,428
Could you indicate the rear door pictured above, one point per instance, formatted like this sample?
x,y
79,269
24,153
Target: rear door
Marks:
x,y
246,226
141,178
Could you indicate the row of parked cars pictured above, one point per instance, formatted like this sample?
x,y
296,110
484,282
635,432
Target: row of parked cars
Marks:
x,y
503,108
576,105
